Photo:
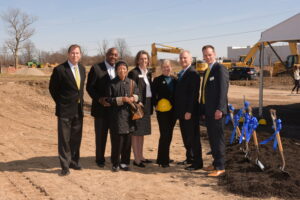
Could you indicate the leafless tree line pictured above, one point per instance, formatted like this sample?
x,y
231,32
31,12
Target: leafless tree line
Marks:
x,y
19,49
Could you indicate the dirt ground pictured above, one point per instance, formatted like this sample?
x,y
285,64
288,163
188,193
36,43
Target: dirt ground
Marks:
x,y
29,165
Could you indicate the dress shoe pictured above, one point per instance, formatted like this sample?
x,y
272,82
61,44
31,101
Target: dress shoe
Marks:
x,y
139,164
216,173
75,167
185,162
64,172
146,161
209,168
115,168
193,167
164,165
171,161
100,164
124,167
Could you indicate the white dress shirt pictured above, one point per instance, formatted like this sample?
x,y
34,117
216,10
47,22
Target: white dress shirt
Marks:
x,y
111,70
73,69
148,88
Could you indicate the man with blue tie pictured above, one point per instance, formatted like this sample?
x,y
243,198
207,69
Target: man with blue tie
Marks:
x,y
186,110
213,108
66,89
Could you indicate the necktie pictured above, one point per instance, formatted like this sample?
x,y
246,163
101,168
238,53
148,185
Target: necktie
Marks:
x,y
204,84
180,74
77,77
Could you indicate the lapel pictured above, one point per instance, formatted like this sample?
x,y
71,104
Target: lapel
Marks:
x,y
104,69
186,73
70,73
82,75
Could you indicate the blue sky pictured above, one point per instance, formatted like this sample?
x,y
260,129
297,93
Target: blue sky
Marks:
x,y
188,24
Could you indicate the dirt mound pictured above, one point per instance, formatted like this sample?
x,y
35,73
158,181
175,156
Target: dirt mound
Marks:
x,y
30,71
243,177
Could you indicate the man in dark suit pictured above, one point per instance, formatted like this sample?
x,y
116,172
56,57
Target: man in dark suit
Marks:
x,y
66,88
186,110
98,81
214,108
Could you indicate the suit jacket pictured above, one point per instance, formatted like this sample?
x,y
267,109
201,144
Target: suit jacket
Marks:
x,y
97,86
216,90
134,75
64,90
187,93
160,90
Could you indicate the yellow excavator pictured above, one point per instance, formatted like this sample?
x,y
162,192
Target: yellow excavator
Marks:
x,y
200,66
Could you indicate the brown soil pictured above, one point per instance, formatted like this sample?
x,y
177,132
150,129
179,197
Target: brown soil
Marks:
x,y
29,166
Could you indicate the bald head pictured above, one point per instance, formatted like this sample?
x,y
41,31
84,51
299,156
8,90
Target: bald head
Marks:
x,y
185,59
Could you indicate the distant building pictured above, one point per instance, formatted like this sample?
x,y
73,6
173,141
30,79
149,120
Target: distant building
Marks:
x,y
283,51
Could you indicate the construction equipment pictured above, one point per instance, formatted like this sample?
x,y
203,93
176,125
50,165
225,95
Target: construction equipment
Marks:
x,y
199,65
163,48
274,118
34,64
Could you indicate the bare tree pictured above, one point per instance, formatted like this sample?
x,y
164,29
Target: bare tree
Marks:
x,y
29,51
122,47
19,28
102,48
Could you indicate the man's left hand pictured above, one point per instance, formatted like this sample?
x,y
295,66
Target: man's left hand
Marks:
x,y
218,114
187,116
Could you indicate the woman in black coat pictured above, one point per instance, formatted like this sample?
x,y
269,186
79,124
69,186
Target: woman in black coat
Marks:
x,y
163,88
142,78
121,92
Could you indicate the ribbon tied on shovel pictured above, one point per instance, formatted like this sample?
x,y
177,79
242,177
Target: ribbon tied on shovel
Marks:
x,y
273,137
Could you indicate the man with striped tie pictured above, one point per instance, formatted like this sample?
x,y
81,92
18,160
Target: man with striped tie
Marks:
x,y
186,110
66,88
213,108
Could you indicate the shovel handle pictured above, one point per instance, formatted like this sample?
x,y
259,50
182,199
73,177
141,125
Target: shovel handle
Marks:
x,y
255,139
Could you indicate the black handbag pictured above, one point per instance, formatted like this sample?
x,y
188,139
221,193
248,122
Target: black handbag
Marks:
x,y
137,109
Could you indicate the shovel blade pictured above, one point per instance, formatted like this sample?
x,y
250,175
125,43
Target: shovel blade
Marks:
x,y
260,165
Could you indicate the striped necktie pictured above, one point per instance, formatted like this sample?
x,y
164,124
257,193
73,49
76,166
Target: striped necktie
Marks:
x,y
204,84
77,76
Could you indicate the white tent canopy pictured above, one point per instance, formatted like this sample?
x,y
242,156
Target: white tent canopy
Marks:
x,y
288,30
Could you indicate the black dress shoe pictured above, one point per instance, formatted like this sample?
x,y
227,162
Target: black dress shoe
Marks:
x,y
75,167
64,172
100,164
124,167
171,161
193,167
185,162
115,168
164,165
141,164
146,161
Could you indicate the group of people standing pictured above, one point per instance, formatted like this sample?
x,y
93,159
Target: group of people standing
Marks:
x,y
114,89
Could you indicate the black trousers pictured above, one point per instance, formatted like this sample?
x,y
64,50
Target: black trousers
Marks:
x,y
101,131
166,123
215,131
121,149
296,85
190,132
69,140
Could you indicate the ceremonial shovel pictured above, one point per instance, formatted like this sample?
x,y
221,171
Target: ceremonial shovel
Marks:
x,y
257,161
274,117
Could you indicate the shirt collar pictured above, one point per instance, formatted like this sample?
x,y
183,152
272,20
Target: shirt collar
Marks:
x,y
211,65
71,65
108,66
186,68
144,72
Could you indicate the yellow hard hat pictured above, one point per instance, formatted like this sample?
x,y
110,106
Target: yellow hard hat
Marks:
x,y
163,105
262,121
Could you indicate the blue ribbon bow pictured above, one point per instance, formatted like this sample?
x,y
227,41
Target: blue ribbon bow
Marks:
x,y
245,129
273,137
228,118
253,124
236,119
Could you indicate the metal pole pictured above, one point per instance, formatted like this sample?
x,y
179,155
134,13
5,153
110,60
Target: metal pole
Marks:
x,y
261,80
